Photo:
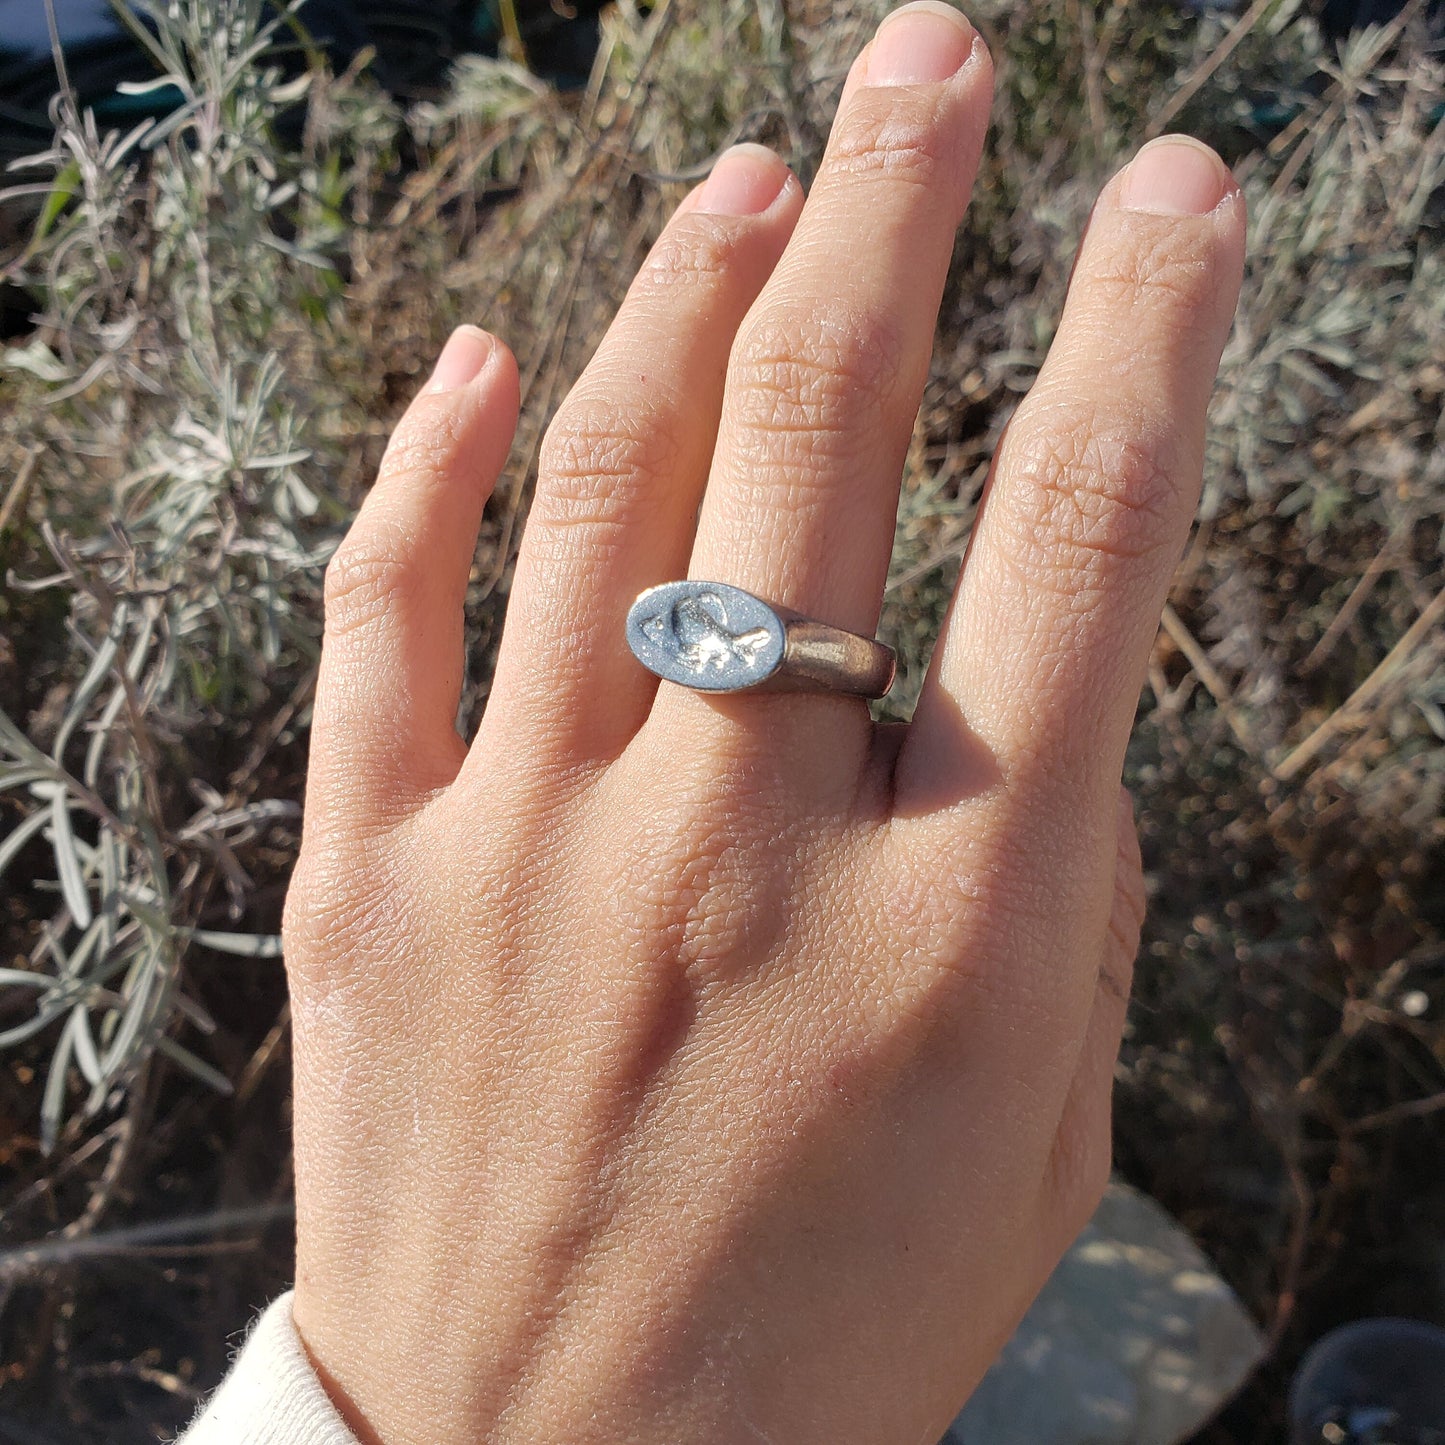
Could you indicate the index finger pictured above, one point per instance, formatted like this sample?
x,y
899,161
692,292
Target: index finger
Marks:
x,y
1091,498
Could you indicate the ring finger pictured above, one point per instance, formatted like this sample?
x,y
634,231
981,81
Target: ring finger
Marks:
x,y
622,467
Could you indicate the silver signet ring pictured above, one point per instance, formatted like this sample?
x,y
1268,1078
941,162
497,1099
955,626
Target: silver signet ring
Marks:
x,y
717,638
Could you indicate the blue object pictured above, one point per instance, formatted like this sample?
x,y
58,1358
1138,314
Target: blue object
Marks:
x,y
1373,1382
24,31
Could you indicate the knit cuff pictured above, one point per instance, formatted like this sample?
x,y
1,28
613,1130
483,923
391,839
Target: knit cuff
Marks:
x,y
272,1395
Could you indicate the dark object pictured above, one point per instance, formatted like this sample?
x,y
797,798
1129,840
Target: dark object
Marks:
x,y
1339,17
412,44
414,41
1373,1382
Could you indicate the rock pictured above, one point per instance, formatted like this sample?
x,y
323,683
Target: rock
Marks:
x,y
1135,1340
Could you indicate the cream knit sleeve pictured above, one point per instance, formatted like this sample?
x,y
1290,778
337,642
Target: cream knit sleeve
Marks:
x,y
272,1395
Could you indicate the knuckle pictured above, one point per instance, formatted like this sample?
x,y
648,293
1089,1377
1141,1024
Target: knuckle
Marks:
x,y
297,933
819,367
427,442
1156,272
364,577
698,251
898,142
346,920
1082,493
595,460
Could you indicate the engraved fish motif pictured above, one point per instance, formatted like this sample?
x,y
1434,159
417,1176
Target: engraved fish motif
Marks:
x,y
696,631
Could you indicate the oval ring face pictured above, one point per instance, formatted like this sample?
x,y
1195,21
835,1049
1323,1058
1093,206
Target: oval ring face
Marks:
x,y
705,635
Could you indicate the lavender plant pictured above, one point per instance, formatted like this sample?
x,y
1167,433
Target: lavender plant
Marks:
x,y
186,523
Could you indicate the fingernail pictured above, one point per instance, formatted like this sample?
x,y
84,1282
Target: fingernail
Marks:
x,y
923,42
462,358
745,181
1174,176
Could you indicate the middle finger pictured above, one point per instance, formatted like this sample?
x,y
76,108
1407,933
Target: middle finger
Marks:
x,y
827,371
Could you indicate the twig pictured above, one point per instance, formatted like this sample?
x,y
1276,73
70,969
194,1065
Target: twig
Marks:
x,y
1405,1109
1095,58
58,1252
244,775
106,1187
166,1380
1366,693
1237,33
266,1051
1209,675
742,129
1302,1216
512,32
1319,127
1379,565
19,489
47,1182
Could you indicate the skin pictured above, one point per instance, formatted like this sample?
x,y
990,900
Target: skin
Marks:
x,y
683,1068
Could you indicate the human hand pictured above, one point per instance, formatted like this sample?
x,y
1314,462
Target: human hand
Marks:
x,y
677,1068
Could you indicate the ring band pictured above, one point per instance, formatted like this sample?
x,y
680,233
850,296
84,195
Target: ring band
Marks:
x,y
717,638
